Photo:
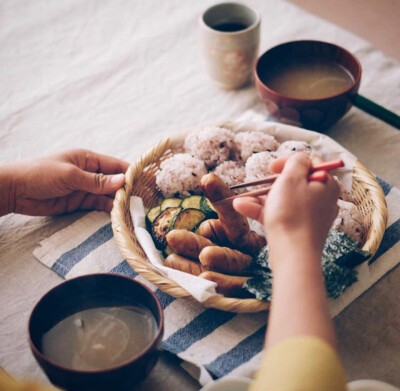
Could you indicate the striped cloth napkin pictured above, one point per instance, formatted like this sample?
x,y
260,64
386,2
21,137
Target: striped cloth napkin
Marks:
x,y
211,343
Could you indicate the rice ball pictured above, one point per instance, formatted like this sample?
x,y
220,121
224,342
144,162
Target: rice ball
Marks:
x,y
248,143
232,173
211,144
257,166
349,220
344,194
180,175
290,147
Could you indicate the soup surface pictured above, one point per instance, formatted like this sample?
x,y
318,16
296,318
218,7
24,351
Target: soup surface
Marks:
x,y
100,338
310,78
230,27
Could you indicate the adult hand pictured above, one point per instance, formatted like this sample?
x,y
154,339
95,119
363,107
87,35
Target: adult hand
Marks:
x,y
298,209
62,183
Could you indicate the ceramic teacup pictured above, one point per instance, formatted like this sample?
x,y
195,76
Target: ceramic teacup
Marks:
x,y
230,36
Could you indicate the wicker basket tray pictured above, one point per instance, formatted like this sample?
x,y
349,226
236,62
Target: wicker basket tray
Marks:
x,y
140,181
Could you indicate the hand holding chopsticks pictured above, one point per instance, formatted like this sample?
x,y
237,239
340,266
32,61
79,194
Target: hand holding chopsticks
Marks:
x,y
317,173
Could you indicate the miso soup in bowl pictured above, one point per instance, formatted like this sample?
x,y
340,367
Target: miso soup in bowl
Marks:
x,y
97,332
308,83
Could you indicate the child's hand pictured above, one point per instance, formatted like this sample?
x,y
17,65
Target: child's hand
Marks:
x,y
297,211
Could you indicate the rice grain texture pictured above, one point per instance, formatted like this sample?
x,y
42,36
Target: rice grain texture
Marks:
x,y
180,175
211,144
257,167
290,147
232,173
248,143
349,220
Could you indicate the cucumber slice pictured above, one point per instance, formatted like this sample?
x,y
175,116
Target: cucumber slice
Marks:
x,y
207,208
162,225
170,203
153,213
187,219
191,202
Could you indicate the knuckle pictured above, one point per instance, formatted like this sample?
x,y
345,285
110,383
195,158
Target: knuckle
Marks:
x,y
100,180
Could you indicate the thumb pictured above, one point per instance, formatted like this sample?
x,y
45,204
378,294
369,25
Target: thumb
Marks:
x,y
98,183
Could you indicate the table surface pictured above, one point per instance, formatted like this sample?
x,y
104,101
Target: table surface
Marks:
x,y
36,110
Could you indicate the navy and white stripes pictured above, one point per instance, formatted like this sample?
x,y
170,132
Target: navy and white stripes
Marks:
x,y
217,342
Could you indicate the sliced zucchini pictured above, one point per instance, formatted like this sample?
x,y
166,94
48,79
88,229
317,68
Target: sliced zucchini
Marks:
x,y
191,202
170,203
187,219
161,226
196,227
153,213
207,208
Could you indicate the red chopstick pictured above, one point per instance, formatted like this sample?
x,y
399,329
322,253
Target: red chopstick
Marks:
x,y
326,166
318,173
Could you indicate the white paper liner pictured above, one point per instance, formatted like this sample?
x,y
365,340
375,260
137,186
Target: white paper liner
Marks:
x,y
322,145
199,288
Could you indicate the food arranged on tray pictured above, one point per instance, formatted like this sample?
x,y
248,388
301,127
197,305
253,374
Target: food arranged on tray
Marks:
x,y
199,235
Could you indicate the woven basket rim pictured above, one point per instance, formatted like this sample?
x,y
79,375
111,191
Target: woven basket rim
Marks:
x,y
124,235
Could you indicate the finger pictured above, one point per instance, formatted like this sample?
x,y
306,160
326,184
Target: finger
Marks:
x,y
320,176
328,185
97,202
276,166
248,208
75,201
85,201
97,183
256,200
333,185
95,162
298,165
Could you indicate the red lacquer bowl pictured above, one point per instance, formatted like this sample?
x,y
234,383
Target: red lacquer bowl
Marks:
x,y
315,114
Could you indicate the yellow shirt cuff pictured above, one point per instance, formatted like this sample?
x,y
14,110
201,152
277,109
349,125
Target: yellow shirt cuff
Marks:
x,y
300,364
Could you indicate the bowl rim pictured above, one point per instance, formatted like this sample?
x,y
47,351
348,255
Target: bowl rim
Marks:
x,y
257,19
141,354
260,84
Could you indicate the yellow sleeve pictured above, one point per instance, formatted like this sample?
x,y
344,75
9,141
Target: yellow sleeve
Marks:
x,y
300,364
7,383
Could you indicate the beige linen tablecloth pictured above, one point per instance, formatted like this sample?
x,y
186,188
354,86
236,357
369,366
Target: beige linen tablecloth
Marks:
x,y
116,77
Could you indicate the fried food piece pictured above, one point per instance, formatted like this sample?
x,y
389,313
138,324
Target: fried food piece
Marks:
x,y
235,225
212,229
183,264
230,286
224,259
187,243
252,243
